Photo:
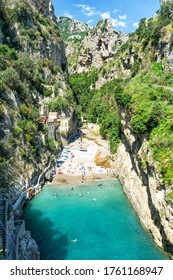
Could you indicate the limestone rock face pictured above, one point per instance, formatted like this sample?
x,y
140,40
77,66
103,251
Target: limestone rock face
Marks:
x,y
165,47
37,34
35,39
162,2
72,29
44,6
51,47
29,247
137,173
99,45
77,26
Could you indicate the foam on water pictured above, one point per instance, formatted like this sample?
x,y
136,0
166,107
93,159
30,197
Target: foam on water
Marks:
x,y
94,221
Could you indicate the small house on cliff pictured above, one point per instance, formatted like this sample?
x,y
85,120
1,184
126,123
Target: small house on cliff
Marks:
x,y
56,123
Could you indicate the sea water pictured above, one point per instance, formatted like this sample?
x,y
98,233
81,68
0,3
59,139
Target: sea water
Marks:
x,y
92,221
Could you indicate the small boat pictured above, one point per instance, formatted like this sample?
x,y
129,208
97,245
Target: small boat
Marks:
x,y
74,240
80,194
83,150
94,199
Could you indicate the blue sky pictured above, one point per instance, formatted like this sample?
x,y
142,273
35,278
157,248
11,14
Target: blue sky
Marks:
x,y
124,14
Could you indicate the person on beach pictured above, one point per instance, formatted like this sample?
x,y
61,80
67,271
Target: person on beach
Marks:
x,y
82,178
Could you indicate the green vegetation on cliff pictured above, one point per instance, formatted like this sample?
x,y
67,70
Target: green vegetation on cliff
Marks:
x,y
150,31
151,111
72,30
83,86
144,90
103,109
32,73
99,105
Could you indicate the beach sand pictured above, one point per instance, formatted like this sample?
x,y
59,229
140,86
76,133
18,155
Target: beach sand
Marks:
x,y
79,165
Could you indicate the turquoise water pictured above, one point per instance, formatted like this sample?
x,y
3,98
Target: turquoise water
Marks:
x,y
106,228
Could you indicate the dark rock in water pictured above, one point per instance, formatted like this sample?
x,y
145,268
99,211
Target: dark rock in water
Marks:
x,y
100,185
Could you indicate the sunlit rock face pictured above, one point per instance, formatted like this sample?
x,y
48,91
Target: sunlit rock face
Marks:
x,y
165,1
44,6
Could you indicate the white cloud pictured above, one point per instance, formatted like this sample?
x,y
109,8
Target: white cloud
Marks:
x,y
67,14
87,10
115,10
115,22
105,15
90,21
123,17
136,24
122,24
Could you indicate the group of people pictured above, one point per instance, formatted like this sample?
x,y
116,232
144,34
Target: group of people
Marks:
x,y
80,163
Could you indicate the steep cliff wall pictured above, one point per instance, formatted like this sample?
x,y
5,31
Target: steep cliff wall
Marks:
x,y
135,169
98,47
119,55
72,30
33,71
44,7
33,28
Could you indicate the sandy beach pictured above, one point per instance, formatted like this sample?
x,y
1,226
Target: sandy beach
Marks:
x,y
77,162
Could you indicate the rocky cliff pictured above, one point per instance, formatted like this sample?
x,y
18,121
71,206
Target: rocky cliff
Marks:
x,y
72,30
34,61
98,47
143,185
33,74
162,2
116,54
44,7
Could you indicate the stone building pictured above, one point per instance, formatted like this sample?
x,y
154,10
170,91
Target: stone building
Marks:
x,y
52,124
57,124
